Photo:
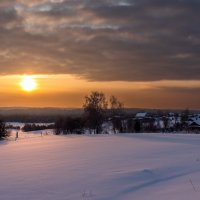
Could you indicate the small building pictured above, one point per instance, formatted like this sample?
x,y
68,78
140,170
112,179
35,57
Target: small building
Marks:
x,y
141,115
194,123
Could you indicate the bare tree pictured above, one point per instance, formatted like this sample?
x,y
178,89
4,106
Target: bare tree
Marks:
x,y
116,106
116,110
166,123
95,106
184,118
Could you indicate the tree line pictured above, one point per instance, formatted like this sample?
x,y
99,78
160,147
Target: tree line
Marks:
x,y
97,110
100,110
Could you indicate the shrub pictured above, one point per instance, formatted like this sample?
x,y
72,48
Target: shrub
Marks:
x,y
3,131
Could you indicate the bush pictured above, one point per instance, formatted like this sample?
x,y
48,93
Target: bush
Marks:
x,y
34,127
3,132
137,126
69,125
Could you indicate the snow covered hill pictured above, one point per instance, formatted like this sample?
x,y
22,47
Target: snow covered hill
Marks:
x,y
104,167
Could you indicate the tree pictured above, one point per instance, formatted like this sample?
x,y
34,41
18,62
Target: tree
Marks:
x,y
69,125
116,110
73,125
59,126
116,106
184,118
166,123
95,106
137,126
3,132
177,125
117,124
130,125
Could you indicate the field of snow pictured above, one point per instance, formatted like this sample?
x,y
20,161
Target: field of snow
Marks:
x,y
104,167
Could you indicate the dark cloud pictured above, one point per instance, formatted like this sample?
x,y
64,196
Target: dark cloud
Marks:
x,y
126,40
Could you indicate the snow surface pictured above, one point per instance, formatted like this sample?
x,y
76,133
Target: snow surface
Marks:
x,y
104,167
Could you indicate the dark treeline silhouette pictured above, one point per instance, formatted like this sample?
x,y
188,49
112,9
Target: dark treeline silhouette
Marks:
x,y
97,110
36,115
12,127
30,118
36,127
69,125
101,113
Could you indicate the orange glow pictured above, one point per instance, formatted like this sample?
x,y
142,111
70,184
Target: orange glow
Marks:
x,y
44,90
28,84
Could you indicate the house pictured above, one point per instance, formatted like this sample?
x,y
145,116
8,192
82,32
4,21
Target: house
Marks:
x,y
194,123
141,115
146,120
159,124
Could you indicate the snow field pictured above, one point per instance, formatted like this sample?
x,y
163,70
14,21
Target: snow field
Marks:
x,y
104,167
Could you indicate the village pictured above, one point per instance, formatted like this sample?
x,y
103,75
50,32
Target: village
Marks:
x,y
145,122
140,122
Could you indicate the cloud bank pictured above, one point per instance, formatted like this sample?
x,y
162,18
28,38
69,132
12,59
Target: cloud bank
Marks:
x,y
105,40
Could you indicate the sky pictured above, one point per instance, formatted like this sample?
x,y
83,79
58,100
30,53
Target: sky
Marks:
x,y
146,52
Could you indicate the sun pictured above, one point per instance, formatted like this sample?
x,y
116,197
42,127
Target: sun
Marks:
x,y
28,84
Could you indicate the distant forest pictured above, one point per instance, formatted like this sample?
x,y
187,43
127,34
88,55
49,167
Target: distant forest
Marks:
x,y
36,115
50,115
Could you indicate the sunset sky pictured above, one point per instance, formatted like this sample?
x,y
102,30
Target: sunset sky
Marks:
x,y
146,52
